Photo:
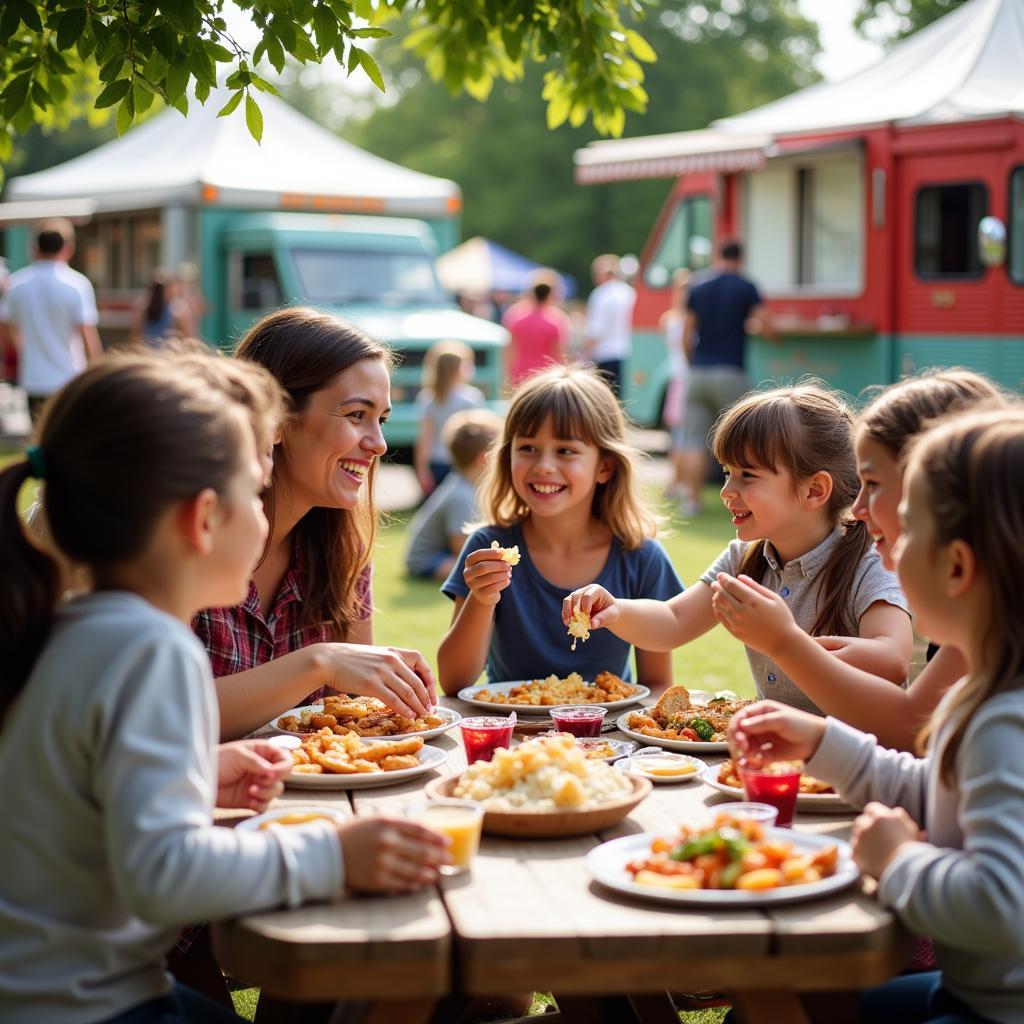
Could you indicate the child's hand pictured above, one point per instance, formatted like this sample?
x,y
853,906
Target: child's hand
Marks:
x,y
878,834
250,774
391,855
487,574
753,614
784,733
596,602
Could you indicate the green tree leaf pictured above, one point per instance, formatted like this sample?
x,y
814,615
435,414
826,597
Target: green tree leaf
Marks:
x,y
231,104
112,93
253,118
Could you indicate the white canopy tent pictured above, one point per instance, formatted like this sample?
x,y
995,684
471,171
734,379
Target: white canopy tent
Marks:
x,y
966,65
172,159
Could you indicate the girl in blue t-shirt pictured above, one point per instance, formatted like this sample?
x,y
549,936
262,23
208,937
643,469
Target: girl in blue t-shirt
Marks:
x,y
562,488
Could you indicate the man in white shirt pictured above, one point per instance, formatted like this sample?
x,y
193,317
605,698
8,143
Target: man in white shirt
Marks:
x,y
608,335
48,313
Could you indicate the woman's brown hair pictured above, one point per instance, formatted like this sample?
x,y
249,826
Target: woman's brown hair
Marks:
x,y
803,429
580,405
971,468
305,350
117,447
901,411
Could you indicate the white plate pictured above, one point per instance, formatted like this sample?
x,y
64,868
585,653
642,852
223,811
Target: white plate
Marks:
x,y
256,821
683,746
607,863
430,758
620,748
630,764
823,803
467,694
451,719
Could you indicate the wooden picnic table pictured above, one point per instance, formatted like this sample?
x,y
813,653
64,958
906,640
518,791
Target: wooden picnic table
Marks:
x,y
528,917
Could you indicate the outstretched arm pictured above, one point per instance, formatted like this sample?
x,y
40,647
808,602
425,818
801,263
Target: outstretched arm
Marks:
x,y
647,624
763,621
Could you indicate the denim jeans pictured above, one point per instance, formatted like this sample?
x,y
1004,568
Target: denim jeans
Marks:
x,y
916,999
181,1006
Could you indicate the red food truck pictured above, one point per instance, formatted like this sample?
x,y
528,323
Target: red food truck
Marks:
x,y
882,216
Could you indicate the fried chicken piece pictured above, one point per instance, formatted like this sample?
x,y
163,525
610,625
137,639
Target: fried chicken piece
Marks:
x,y
675,702
352,709
322,721
307,769
396,762
289,723
338,762
397,748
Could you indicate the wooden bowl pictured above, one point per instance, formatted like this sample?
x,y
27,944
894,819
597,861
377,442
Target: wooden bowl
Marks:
x,y
523,824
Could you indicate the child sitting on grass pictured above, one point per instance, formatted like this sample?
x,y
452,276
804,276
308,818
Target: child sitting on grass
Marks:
x,y
436,533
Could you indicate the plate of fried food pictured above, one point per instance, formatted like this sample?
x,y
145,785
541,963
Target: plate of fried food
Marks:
x,y
326,760
540,695
731,862
545,787
363,716
679,722
814,795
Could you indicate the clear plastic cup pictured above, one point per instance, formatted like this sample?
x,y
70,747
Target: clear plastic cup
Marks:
x,y
776,783
483,735
579,719
763,813
460,820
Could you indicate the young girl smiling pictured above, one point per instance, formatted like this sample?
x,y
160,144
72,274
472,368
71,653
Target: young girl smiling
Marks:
x,y
561,487
761,620
790,477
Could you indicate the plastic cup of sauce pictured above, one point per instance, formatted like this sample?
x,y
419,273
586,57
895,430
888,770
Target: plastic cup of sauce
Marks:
x,y
579,719
483,735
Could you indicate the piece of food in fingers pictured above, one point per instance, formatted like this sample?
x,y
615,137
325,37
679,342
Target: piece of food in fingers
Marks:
x,y
579,627
510,555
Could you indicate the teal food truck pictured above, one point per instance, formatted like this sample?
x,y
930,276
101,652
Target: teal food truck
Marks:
x,y
303,219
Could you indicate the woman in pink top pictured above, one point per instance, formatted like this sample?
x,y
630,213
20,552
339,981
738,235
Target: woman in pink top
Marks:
x,y
539,329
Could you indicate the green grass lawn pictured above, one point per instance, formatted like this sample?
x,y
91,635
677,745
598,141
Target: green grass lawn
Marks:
x,y
413,613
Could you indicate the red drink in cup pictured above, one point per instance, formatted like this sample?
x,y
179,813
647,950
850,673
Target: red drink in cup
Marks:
x,y
776,783
482,736
579,719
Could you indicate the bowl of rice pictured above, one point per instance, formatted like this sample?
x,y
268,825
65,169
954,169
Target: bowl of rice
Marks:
x,y
545,787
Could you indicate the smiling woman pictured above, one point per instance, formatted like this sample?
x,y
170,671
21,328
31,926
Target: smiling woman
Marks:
x,y
305,624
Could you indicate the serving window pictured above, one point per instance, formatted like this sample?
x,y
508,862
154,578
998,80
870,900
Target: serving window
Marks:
x,y
685,243
803,223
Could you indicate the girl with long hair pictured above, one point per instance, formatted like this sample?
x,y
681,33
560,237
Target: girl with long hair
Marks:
x,y
306,621
562,488
790,480
944,833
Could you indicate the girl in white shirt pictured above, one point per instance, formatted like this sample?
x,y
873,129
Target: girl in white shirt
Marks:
x,y
109,717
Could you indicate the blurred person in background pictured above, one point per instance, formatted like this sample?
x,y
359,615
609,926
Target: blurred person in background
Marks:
x,y
193,302
672,323
608,336
48,316
539,331
162,314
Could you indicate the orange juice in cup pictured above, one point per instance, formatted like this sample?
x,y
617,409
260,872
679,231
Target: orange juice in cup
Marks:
x,y
460,821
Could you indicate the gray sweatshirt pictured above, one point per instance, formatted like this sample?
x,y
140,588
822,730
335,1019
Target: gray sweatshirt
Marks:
x,y
964,887
107,843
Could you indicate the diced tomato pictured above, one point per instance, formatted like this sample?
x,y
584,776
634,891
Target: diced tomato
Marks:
x,y
689,734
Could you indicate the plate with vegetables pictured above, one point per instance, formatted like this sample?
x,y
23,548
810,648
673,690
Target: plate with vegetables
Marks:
x,y
696,735
732,862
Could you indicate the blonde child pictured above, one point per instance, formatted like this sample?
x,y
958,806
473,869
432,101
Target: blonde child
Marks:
x,y
790,478
447,370
945,839
761,620
561,486
109,716
437,530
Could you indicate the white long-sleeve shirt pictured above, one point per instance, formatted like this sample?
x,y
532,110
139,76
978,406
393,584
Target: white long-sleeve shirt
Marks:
x,y
964,887
107,845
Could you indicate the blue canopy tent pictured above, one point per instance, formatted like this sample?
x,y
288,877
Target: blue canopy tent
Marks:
x,y
481,267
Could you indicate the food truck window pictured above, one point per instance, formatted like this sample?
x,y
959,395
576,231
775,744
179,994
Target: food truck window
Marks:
x,y
1015,263
804,224
685,242
337,276
261,288
946,230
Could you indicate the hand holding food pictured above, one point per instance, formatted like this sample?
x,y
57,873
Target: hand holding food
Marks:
x,y
250,774
391,855
878,834
755,615
399,677
791,735
593,601
487,574
579,627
